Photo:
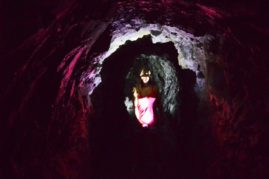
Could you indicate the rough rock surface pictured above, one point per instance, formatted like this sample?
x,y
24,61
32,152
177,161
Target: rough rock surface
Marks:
x,y
46,107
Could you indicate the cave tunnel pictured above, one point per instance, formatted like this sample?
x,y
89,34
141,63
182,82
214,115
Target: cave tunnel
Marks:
x,y
117,136
67,100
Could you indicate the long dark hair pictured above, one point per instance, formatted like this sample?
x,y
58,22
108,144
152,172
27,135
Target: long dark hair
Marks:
x,y
133,78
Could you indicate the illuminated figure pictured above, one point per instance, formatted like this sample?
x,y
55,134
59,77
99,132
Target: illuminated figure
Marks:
x,y
145,94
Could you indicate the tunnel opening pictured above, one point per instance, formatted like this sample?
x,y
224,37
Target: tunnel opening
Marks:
x,y
120,146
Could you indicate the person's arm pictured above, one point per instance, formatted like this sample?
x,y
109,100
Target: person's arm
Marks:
x,y
137,114
135,96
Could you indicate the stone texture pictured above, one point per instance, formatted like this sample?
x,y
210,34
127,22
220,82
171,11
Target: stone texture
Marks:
x,y
46,100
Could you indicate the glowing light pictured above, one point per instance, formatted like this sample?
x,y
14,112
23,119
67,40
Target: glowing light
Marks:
x,y
144,110
189,48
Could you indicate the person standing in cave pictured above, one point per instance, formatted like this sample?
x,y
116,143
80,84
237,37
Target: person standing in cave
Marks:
x,y
148,142
145,94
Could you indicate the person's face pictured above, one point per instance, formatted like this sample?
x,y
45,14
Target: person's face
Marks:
x,y
145,79
144,75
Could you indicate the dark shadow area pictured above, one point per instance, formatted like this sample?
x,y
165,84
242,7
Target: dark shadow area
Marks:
x,y
120,147
26,139
194,134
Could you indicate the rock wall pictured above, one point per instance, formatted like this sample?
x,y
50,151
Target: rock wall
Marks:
x,y
46,104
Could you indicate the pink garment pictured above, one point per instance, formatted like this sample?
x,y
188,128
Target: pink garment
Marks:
x,y
144,110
